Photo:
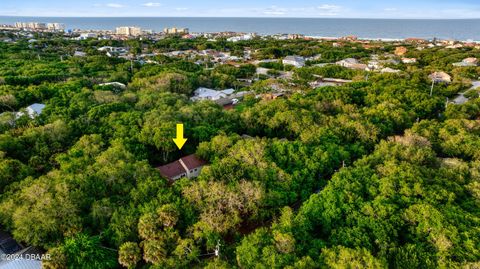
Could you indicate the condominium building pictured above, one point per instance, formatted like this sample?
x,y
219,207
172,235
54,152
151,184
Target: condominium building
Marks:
x,y
175,30
128,31
40,26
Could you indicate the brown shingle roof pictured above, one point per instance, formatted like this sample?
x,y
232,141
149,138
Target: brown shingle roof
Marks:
x,y
192,162
172,170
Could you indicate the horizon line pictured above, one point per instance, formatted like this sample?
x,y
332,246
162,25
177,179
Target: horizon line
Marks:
x,y
240,17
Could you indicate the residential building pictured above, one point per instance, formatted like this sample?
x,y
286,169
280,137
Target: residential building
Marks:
x,y
400,51
409,60
440,77
389,70
352,64
128,31
84,36
115,85
32,111
467,62
21,257
209,94
79,54
189,166
296,61
347,62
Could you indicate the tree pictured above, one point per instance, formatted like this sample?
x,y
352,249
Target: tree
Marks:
x,y
129,254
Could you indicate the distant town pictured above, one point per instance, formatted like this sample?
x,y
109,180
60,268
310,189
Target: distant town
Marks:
x,y
132,32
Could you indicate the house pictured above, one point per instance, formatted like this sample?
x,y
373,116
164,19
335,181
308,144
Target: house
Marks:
x,y
400,51
84,36
440,77
323,82
189,166
374,65
389,70
32,111
467,62
409,60
24,258
115,85
209,94
79,54
352,64
296,61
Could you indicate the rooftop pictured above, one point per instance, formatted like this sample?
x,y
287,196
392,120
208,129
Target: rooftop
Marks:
x,y
172,169
192,161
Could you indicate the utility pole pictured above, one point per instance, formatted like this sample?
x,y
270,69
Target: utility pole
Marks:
x,y
217,249
431,89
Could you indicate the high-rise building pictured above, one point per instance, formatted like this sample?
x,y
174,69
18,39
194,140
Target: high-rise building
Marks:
x,y
175,30
56,26
128,31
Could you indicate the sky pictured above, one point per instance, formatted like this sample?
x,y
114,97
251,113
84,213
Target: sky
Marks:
x,y
401,9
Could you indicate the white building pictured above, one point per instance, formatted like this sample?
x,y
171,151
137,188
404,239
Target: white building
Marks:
x,y
79,54
209,94
296,61
352,64
55,26
114,84
84,36
32,111
409,60
467,62
389,70
241,38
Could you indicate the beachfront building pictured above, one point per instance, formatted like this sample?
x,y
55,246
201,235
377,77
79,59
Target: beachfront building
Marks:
x,y
296,61
128,31
189,166
176,31
55,26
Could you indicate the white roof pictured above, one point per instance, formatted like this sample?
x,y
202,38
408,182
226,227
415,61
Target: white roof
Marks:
x,y
21,264
294,58
115,83
35,109
350,60
205,93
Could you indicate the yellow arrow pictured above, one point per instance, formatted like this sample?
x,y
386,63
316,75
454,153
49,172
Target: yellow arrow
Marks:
x,y
180,140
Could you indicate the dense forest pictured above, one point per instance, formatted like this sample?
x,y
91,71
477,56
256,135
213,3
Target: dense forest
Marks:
x,y
381,172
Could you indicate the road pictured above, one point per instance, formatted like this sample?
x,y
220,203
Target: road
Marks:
x,y
461,99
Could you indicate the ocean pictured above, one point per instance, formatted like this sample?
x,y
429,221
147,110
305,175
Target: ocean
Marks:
x,y
468,29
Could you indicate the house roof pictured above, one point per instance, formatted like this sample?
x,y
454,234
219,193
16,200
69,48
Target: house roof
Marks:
x,y
36,108
171,170
7,244
440,76
192,161
294,58
179,167
21,263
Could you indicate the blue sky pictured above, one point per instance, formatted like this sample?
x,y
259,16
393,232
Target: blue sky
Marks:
x,y
440,9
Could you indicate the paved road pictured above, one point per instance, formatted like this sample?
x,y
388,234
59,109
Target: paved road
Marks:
x,y
461,99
